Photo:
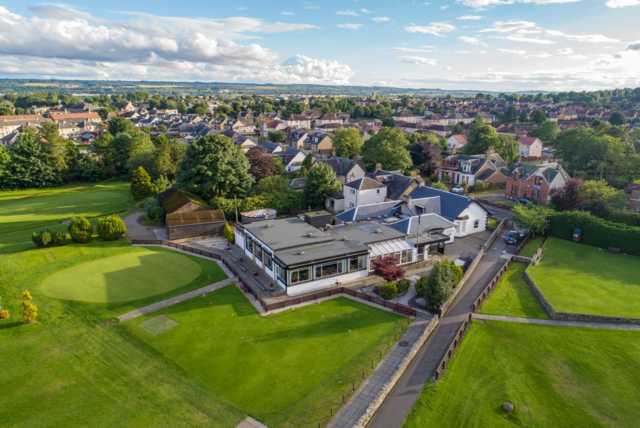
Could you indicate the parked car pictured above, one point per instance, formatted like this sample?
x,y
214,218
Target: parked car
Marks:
x,y
457,189
524,201
515,236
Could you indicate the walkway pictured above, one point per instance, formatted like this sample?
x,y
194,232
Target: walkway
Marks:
x,y
376,385
175,300
583,324
399,402
136,230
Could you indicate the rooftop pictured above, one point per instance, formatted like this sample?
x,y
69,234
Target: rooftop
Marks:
x,y
280,234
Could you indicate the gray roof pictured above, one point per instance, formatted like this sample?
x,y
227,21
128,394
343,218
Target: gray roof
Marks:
x,y
366,233
317,252
285,233
365,183
430,204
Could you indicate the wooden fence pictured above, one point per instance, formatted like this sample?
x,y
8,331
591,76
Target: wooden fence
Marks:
x,y
457,339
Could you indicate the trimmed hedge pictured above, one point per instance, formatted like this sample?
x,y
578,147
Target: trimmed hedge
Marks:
x,y
595,231
111,228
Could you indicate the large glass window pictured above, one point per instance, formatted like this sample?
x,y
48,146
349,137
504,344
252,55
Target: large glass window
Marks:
x,y
357,263
329,269
407,256
249,244
267,260
257,251
300,275
280,273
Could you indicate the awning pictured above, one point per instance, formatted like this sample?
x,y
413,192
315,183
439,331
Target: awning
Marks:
x,y
389,247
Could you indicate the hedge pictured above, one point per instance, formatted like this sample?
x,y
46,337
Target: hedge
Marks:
x,y
595,231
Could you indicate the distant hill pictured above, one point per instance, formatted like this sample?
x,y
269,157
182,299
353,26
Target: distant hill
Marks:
x,y
92,87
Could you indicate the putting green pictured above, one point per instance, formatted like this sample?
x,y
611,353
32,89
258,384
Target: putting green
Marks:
x,y
122,278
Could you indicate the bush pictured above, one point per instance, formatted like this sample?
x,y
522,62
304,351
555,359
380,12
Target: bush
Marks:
x,y
60,238
403,286
42,238
111,228
228,233
387,268
387,291
29,309
81,230
595,231
437,288
141,185
153,210
492,223
4,314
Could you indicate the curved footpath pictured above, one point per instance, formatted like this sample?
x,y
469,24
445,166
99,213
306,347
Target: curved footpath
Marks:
x,y
407,390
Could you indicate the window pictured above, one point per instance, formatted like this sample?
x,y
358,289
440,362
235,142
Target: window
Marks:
x,y
378,191
280,273
329,269
407,256
257,251
267,260
476,224
357,263
249,245
300,275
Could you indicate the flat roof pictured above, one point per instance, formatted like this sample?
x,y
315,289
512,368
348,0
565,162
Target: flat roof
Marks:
x,y
366,233
316,253
280,234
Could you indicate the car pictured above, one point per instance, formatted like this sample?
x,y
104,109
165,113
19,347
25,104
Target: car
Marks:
x,y
515,236
457,189
524,201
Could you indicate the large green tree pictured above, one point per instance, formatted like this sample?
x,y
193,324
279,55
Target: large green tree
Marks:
x,y
214,166
321,183
426,151
547,131
481,138
31,162
347,142
389,148
141,152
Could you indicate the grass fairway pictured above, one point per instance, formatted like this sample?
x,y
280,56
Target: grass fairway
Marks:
x,y
555,377
512,296
578,278
25,211
133,275
73,369
286,369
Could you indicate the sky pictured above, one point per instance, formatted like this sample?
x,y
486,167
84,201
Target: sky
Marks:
x,y
499,45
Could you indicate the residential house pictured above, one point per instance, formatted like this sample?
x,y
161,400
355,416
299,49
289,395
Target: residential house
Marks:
x,y
466,170
535,182
292,159
398,186
346,169
11,123
363,191
530,148
319,142
456,142
297,138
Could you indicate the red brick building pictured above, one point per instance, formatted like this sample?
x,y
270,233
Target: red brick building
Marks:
x,y
535,182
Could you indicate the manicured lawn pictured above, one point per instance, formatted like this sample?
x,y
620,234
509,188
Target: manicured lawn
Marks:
x,y
25,211
74,368
286,369
555,377
531,247
512,296
578,278
132,275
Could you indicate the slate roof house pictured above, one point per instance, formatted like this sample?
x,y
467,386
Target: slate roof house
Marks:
x,y
346,169
319,142
535,182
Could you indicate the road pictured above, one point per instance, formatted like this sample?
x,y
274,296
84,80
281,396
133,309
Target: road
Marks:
x,y
398,404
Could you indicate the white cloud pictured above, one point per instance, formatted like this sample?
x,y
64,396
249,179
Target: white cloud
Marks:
x,y
287,13
347,12
518,31
487,3
616,4
469,18
434,28
471,40
380,19
584,38
365,11
350,26
418,60
57,42
423,49
519,52
634,46
509,26
534,40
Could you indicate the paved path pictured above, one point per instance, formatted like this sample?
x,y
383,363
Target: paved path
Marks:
x,y
398,404
136,230
249,422
175,300
376,385
583,324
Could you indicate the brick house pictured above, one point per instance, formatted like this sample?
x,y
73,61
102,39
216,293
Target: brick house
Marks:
x,y
535,182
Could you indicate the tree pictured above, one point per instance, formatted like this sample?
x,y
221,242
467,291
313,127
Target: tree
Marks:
x,y
214,166
425,150
6,108
387,268
5,159
111,228
601,199
387,148
481,138
141,185
167,157
438,286
321,183
508,148
277,136
31,163
538,116
535,218
56,145
228,233
347,142
261,165
279,195
29,309
567,198
141,152
616,118
307,163
119,125
546,131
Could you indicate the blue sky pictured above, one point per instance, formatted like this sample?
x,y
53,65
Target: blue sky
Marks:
x,y
464,44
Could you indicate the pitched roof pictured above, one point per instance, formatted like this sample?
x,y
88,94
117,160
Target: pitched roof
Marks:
x,y
527,141
370,211
83,115
451,204
174,199
396,183
422,224
365,183
340,165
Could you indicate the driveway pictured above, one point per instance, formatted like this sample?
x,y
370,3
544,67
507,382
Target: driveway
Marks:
x,y
136,230
400,401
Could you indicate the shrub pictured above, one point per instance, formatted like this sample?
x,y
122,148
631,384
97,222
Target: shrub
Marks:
x,y
29,309
42,238
228,233
141,185
403,286
387,291
60,238
437,288
4,314
111,228
81,230
492,223
153,210
387,268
